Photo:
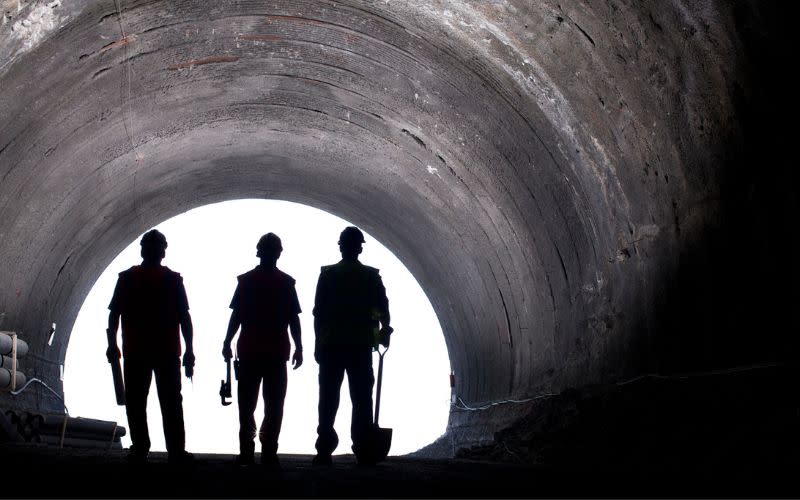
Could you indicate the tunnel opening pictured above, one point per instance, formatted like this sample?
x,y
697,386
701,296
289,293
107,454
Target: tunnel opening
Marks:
x,y
210,246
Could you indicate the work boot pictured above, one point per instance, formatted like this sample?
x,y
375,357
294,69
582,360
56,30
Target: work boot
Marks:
x,y
246,452
270,460
366,459
269,456
321,459
181,457
136,455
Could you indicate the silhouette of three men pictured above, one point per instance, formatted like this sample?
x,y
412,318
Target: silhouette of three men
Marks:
x,y
351,316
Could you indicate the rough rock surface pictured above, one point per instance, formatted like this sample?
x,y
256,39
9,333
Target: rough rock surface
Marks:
x,y
586,192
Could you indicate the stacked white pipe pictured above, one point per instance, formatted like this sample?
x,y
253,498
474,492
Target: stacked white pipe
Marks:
x,y
11,349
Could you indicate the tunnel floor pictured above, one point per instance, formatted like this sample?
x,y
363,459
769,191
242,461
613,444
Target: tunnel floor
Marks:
x,y
40,472
50,472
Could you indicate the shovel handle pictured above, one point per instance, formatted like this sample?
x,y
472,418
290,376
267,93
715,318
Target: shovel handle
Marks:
x,y
380,380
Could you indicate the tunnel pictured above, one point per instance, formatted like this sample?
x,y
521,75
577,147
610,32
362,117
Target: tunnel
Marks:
x,y
587,192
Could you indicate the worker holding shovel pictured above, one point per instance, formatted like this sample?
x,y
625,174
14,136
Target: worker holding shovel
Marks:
x,y
349,307
264,305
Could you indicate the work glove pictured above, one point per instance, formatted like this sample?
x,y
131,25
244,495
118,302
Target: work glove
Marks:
x,y
384,335
112,353
297,359
188,363
226,351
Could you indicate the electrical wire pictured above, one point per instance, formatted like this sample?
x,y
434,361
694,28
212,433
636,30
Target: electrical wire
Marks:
x,y
29,382
125,88
465,406
126,79
683,376
461,405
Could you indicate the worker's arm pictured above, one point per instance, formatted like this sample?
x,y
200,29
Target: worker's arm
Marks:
x,y
186,327
385,317
316,339
112,352
294,329
233,326
319,310
115,311
188,335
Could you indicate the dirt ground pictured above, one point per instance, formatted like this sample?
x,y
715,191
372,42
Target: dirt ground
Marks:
x,y
38,472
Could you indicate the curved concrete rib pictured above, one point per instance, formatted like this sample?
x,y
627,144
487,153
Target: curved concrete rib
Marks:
x,y
538,167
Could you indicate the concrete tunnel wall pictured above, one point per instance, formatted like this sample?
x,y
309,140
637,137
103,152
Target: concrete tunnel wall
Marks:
x,y
542,169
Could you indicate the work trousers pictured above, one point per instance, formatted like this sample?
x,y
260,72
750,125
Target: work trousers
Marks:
x,y
251,373
333,363
138,373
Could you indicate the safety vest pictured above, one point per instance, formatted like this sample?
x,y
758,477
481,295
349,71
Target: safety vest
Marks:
x,y
350,303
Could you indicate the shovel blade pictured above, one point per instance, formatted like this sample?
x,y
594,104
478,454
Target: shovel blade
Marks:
x,y
382,443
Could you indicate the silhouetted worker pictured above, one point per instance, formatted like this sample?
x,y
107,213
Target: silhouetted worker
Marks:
x,y
152,302
264,304
350,304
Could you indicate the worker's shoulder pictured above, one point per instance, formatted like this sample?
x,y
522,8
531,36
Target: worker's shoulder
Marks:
x,y
286,278
258,273
349,267
372,270
134,271
249,274
172,274
129,272
170,271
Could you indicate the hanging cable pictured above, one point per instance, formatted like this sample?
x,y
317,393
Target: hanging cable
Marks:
x,y
683,376
461,405
29,382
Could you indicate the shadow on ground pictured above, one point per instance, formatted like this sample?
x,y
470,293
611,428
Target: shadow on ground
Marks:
x,y
49,472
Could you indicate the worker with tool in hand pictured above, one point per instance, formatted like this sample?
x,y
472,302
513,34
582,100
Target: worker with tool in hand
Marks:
x,y
151,300
350,303
264,305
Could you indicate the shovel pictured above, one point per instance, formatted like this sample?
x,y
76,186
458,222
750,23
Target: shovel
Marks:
x,y
382,437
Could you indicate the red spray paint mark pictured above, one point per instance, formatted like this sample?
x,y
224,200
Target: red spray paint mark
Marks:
x,y
119,43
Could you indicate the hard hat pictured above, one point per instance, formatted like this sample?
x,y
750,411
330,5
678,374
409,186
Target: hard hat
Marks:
x,y
154,239
269,241
351,234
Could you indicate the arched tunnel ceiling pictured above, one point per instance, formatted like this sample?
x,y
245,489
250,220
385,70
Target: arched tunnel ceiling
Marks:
x,y
535,165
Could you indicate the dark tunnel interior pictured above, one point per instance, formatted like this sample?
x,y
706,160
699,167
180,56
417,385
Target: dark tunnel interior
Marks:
x,y
589,193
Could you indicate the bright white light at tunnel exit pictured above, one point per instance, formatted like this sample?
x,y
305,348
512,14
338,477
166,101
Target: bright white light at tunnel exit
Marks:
x,y
210,246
